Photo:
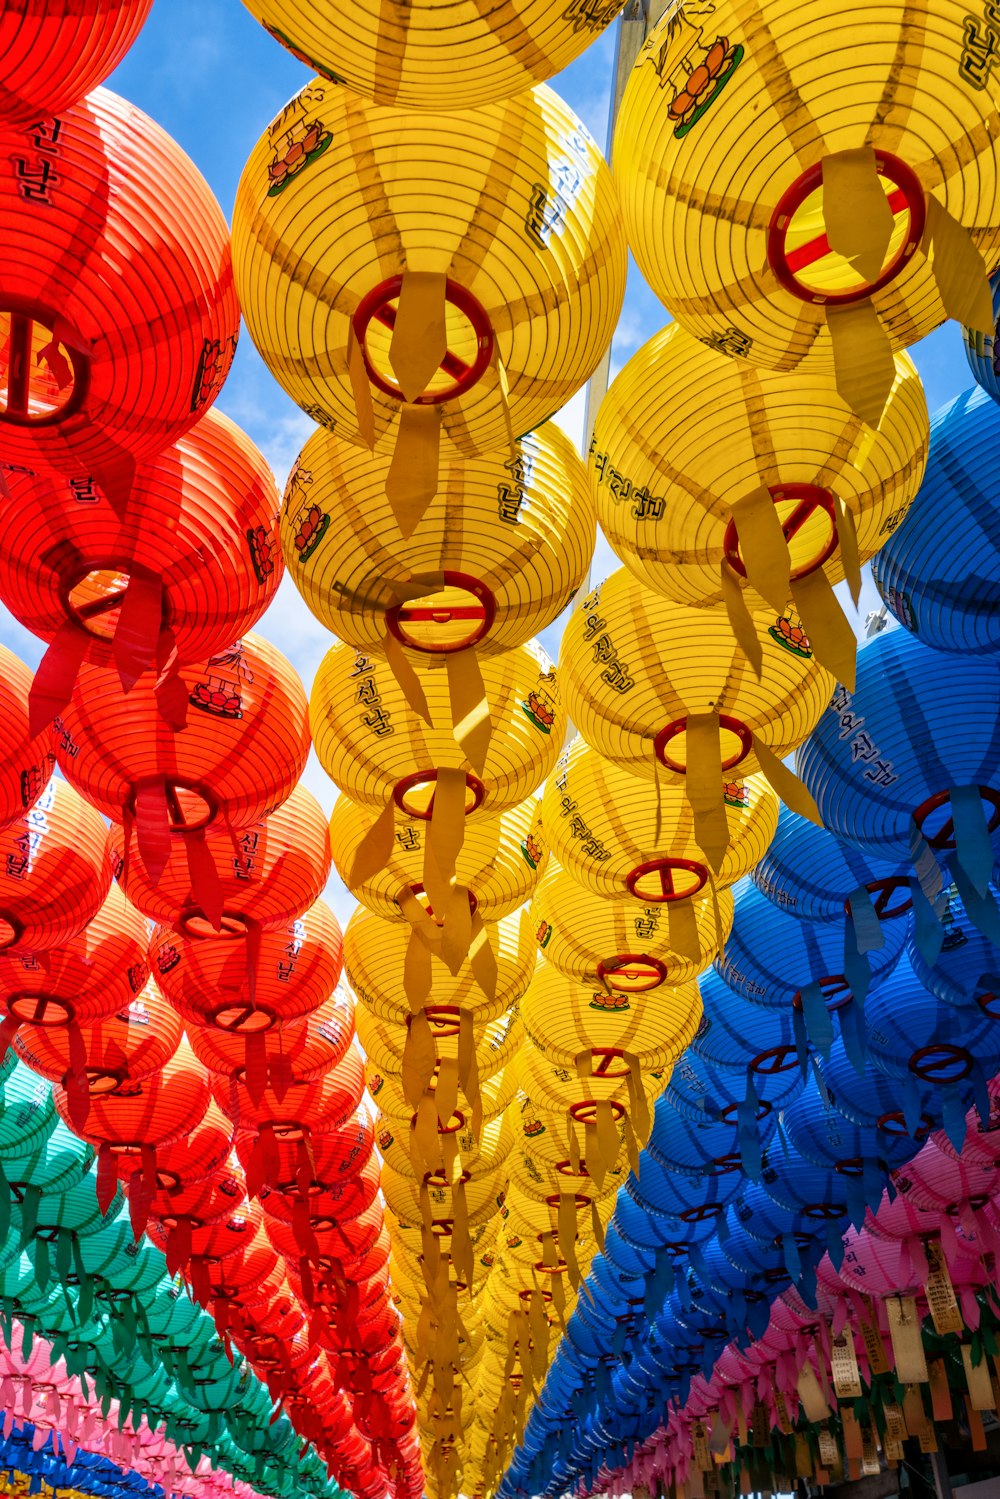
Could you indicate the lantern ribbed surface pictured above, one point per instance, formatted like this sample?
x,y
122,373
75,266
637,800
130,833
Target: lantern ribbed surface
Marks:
x,y
420,55
28,759
511,202
982,349
240,753
564,1019
375,953
633,666
632,945
964,971
771,957
726,126
130,1045
383,1041
546,1084
918,723
808,872
55,870
317,1104
309,1046
684,434
913,1034
740,1038
208,982
603,825
511,532
126,306
149,1112
949,597
374,747
498,864
274,872
200,528
53,52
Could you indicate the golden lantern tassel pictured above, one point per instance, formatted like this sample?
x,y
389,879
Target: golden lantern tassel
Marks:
x,y
833,642
704,780
607,1135
461,1243
597,1227
786,783
417,977
419,1059
419,343
863,362
358,377
573,1148
456,928
424,1151
468,1065
446,1092
406,678
856,211
847,533
637,1099
631,1145
959,269
470,709
763,546
740,619
412,480
482,958
682,924
566,1234
375,849
445,835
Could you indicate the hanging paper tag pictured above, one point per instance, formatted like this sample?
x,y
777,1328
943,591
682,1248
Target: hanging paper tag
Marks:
x,y
940,1292
959,269
977,1377
863,362
941,1406
833,642
829,1452
872,1339
895,1425
844,1366
870,1464
812,1397
907,1345
412,480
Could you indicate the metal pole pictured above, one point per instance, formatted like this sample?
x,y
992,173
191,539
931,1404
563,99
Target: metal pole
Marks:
x,y
942,1482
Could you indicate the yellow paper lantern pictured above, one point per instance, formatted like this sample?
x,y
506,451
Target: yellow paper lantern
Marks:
x,y
634,668
498,554
499,862
797,179
375,954
375,748
684,437
396,264
426,55
409,1235
577,1094
384,1042
568,1022
482,1195
606,830
477,1154
631,946
495,1093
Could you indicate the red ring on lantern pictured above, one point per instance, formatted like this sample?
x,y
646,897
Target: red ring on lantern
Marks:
x,y
242,1019
606,1055
989,1003
41,1009
92,614
774,1060
810,497
579,1201
419,778
180,823
731,1111
945,836
665,869
941,1063
630,967
418,890
724,1165
894,1124
15,409
483,612
882,892
700,1214
445,1020
825,1212
194,923
787,265
679,725
838,985
101,1080
565,1168
585,1111
850,1166
376,305
456,1121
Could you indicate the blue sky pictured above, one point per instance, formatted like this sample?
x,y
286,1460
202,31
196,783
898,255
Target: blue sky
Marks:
x,y
214,79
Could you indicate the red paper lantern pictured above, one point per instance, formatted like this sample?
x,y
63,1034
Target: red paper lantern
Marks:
x,y
332,1156
197,1155
244,1281
55,870
268,874
52,52
303,1048
100,1056
242,749
334,1203
26,760
206,980
209,1225
119,317
96,974
189,568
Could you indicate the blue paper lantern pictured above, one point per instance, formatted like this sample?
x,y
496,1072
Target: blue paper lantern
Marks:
x,y
983,350
939,574
871,1098
914,743
966,971
754,1043
808,872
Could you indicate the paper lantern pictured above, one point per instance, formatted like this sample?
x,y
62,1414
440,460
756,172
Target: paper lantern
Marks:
x,y
811,874
872,1098
242,748
918,730
336,1155
425,54
634,669
197,1154
496,557
121,315
621,1031
104,1054
208,982
578,1096
55,870
270,873
54,54
375,953
190,567
305,1048
498,864
494,246
834,230
632,946
384,1042
981,348
375,748
964,972
703,1092
305,1106
859,1152
612,835
948,596
688,1144
95,974
484,1149
754,1043
28,1116
675,1200
28,758
688,443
